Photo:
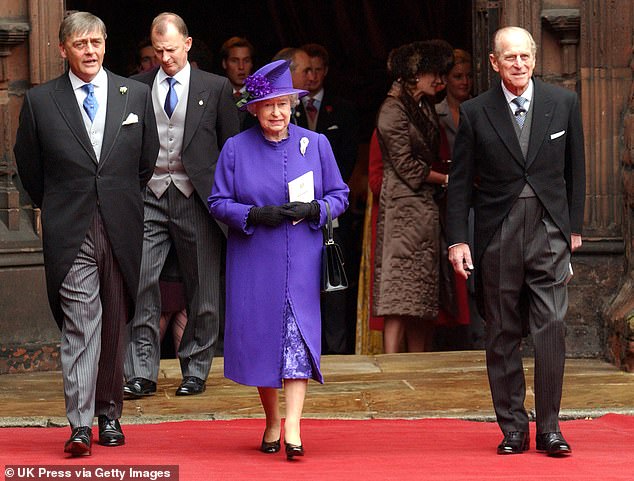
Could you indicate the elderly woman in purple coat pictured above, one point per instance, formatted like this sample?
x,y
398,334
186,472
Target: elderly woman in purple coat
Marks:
x,y
271,186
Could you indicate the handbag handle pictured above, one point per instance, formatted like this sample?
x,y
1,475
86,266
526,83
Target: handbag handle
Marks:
x,y
329,234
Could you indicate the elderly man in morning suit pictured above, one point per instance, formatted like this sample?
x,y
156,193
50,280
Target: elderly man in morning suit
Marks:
x,y
85,147
519,159
195,116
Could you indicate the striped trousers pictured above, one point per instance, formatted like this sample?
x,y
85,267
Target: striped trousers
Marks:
x,y
524,275
94,303
185,223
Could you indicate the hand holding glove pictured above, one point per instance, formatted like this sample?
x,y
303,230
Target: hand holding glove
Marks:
x,y
271,215
301,210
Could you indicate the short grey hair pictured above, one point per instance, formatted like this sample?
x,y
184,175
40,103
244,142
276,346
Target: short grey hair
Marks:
x,y
294,99
79,23
496,50
288,53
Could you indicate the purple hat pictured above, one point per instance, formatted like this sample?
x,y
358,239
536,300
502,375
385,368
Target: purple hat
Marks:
x,y
272,80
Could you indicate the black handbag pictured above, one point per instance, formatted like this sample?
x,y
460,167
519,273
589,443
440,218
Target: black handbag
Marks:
x,y
333,274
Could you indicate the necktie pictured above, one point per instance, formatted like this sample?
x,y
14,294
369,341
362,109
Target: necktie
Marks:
x,y
520,112
311,110
90,102
171,100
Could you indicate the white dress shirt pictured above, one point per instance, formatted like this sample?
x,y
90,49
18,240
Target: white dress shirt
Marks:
x,y
182,82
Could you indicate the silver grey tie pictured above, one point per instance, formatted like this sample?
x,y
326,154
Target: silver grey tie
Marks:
x,y
520,112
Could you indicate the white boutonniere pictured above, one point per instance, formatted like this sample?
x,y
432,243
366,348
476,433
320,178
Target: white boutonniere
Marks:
x,y
303,143
200,102
123,90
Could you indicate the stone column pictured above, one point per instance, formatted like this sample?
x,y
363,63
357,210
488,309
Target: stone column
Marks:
x,y
29,55
565,24
11,34
620,314
486,18
45,61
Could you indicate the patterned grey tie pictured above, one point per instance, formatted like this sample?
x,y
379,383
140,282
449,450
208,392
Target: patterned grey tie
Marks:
x,y
520,112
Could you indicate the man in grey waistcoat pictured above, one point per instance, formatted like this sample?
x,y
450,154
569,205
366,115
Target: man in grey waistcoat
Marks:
x,y
195,116
519,160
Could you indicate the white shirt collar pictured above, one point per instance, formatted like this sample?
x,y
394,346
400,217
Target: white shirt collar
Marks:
x,y
99,81
182,76
318,97
527,94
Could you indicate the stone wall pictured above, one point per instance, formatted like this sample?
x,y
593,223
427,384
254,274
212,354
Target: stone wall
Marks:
x,y
29,338
619,317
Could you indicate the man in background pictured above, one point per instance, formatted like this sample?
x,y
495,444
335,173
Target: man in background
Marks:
x,y
301,70
237,62
145,58
336,118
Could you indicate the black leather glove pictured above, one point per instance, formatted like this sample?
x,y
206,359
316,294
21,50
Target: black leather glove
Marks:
x,y
302,210
271,215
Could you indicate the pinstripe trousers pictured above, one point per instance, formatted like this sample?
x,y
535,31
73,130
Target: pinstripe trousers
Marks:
x,y
174,219
528,256
94,303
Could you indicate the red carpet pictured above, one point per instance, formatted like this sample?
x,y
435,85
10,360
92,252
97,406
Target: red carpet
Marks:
x,y
428,449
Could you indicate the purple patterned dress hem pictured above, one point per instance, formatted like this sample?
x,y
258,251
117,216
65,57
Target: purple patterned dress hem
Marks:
x,y
296,363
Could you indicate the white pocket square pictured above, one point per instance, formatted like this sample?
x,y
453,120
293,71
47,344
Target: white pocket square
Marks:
x,y
557,135
333,127
132,119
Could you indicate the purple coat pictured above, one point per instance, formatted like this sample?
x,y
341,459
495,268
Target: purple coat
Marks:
x,y
270,266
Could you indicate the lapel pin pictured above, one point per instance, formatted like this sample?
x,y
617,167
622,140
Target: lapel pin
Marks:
x,y
303,143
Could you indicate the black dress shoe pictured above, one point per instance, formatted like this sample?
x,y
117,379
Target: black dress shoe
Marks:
x,y
515,442
80,441
293,450
138,387
553,444
191,385
269,448
110,433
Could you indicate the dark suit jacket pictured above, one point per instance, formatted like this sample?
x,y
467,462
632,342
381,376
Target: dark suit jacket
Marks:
x,y
59,170
246,120
489,169
211,119
338,121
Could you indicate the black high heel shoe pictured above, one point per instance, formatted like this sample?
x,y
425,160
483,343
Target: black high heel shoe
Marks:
x,y
270,448
293,450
